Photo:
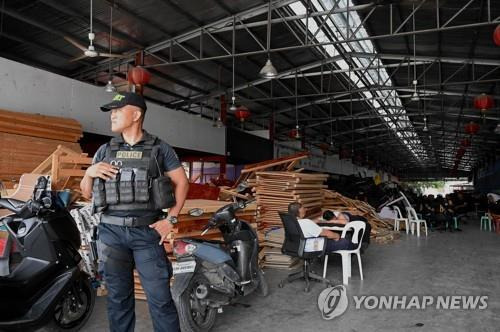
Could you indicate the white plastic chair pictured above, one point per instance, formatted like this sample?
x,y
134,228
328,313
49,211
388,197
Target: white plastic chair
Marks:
x,y
398,219
358,227
415,221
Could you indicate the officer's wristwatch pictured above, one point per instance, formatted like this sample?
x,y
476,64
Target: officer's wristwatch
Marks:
x,y
172,219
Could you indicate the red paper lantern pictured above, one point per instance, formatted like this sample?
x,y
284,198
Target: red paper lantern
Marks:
x,y
465,143
242,113
484,102
139,75
471,128
496,35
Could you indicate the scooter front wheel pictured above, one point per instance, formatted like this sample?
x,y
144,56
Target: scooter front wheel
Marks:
x,y
194,315
74,308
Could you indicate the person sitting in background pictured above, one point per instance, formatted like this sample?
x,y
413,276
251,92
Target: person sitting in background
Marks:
x,y
439,218
310,229
337,217
461,206
419,204
494,210
428,208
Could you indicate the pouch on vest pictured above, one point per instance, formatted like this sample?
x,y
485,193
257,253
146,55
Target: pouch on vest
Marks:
x,y
112,193
99,193
141,185
163,192
126,185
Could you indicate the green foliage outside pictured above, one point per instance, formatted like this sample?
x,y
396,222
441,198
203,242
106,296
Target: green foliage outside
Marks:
x,y
420,186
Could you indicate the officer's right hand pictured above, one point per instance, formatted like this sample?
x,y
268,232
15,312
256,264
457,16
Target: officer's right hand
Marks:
x,y
102,170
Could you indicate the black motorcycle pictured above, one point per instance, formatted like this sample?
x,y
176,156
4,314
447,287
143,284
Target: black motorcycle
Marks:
x,y
211,274
42,284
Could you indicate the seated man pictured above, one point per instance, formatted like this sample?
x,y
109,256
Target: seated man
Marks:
x,y
461,206
311,229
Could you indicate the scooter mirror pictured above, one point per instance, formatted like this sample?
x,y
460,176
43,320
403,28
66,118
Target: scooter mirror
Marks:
x,y
196,212
242,186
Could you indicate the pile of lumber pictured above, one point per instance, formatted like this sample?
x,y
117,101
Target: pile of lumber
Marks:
x,y
248,173
381,229
271,241
274,191
28,139
189,226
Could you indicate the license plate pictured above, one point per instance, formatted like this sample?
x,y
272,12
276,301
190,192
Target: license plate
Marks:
x,y
183,267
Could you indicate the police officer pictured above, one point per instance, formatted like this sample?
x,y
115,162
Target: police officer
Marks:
x,y
128,185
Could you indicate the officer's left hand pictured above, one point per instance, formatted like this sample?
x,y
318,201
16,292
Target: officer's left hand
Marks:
x,y
163,227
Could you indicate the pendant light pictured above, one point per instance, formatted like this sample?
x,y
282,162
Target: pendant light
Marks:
x,y
216,123
331,127
425,129
219,123
297,128
109,86
268,71
233,98
414,96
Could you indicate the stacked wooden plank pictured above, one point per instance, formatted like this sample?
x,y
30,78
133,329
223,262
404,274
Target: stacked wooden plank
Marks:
x,y
279,164
43,126
381,229
270,256
189,226
28,139
274,191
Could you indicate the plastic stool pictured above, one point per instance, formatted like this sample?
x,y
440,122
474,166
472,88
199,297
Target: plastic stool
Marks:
x,y
486,221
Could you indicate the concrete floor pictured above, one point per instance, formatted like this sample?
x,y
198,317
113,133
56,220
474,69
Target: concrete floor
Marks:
x,y
460,263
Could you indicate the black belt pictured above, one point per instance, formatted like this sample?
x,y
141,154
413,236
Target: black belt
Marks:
x,y
127,221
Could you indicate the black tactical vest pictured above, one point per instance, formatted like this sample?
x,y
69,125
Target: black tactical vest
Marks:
x,y
140,184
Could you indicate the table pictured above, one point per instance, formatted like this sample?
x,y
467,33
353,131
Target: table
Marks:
x,y
332,226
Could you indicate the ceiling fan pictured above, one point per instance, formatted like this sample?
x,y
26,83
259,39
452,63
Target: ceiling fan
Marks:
x,y
90,51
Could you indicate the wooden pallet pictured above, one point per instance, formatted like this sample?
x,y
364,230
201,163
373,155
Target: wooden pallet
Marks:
x,y
279,164
66,168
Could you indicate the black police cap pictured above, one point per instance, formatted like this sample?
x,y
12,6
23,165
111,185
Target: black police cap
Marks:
x,y
123,99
